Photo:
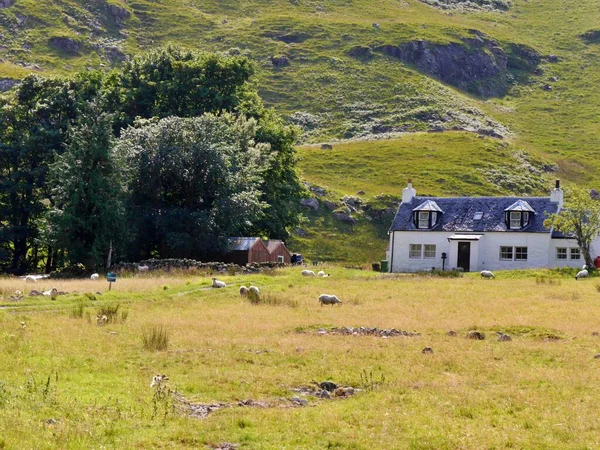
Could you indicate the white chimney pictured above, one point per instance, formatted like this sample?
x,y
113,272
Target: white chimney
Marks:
x,y
556,195
408,192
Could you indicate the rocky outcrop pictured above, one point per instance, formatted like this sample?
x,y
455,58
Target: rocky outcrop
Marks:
x,y
118,12
6,3
470,5
591,37
7,84
361,52
477,65
344,217
310,203
65,44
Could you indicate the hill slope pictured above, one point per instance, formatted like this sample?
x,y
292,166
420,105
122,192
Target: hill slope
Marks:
x,y
526,72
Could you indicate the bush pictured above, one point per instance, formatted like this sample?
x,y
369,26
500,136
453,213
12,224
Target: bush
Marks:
x,y
155,338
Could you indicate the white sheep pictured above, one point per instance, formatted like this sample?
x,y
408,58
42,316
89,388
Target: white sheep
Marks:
x,y
143,268
243,291
158,379
323,274
101,320
581,274
94,277
487,274
51,293
30,279
327,299
308,273
253,292
217,283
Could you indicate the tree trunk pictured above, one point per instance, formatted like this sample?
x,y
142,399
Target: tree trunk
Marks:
x,y
49,260
109,259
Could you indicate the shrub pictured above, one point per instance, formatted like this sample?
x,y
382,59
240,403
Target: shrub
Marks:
x,y
155,337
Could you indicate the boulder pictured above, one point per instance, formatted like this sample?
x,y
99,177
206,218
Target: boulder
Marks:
x,y
361,52
326,147
317,190
311,203
6,3
280,61
7,84
343,217
331,206
552,58
476,335
117,12
65,44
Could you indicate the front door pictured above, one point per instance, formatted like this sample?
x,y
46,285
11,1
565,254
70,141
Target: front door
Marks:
x,y
464,256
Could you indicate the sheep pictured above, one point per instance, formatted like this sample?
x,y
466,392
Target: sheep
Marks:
x,y
218,284
487,274
308,273
243,291
158,379
51,293
326,299
253,292
143,268
18,293
94,277
30,279
101,320
323,274
581,274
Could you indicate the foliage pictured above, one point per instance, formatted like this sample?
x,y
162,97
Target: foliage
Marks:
x,y
191,184
580,217
87,215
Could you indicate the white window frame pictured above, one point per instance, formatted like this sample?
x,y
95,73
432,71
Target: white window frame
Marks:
x,y
505,252
423,216
561,253
427,252
575,251
514,216
521,253
412,251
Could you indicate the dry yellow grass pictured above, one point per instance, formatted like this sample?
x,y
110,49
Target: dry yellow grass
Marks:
x,y
538,391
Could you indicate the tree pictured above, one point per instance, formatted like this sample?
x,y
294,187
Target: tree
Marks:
x,y
87,217
191,184
579,218
34,119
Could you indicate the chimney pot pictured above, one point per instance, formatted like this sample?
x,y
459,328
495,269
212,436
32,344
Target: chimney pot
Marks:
x,y
557,184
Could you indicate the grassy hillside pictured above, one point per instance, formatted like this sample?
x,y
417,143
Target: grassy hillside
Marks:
x,y
66,382
329,67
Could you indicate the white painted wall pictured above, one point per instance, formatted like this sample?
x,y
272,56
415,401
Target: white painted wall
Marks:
x,y
485,253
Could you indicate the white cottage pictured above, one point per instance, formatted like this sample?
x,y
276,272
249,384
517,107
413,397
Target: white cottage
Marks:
x,y
479,233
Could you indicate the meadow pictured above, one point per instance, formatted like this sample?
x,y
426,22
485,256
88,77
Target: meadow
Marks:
x,y
66,382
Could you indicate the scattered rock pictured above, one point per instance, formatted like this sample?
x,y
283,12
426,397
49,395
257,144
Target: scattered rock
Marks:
x,y
376,26
6,3
597,356
323,394
7,83
118,12
331,206
224,446
427,351
594,194
361,52
553,79
367,331
452,333
326,147
547,87
51,421
344,217
361,192
552,58
280,61
311,203
299,401
321,192
35,293
477,335
595,333
65,44
503,337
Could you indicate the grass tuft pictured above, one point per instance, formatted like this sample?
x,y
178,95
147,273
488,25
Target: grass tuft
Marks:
x,y
155,338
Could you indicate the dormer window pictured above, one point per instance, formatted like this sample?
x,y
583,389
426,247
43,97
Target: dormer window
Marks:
x,y
426,215
518,215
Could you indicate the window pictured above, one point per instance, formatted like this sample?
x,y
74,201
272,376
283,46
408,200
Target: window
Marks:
x,y
575,253
506,253
414,251
515,220
429,251
423,219
280,259
520,253
561,253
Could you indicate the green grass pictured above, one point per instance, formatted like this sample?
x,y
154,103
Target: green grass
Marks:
x,y
67,383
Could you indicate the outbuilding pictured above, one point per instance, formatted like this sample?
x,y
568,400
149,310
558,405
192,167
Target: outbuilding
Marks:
x,y
244,250
278,252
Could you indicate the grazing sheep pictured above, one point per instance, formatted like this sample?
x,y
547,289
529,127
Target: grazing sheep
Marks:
x,y
23,325
158,379
253,292
243,291
326,299
18,293
30,279
218,284
51,293
101,320
487,274
308,273
581,274
323,274
95,277
143,268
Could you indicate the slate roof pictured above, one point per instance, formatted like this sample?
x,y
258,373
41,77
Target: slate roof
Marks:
x,y
520,205
459,213
429,205
241,244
